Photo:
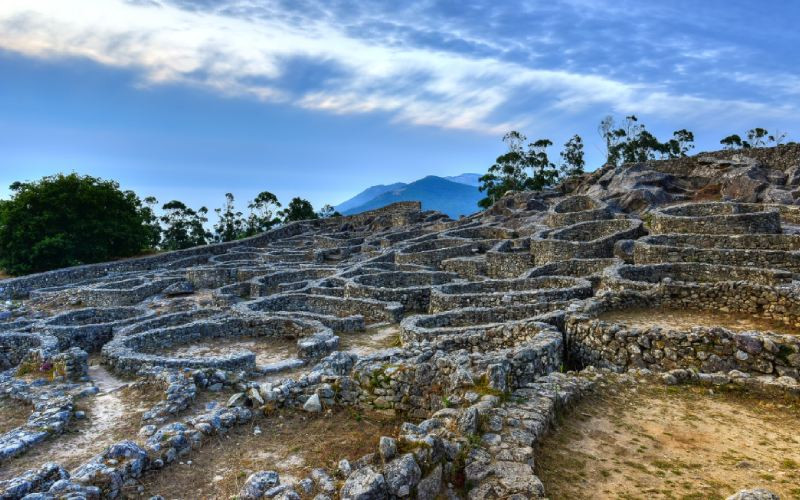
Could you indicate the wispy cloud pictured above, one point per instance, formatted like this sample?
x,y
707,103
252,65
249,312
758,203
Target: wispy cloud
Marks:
x,y
423,67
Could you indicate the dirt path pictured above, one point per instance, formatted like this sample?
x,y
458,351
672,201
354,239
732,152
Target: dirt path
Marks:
x,y
112,415
652,441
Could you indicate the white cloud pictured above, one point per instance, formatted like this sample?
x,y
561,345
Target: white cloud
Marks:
x,y
228,54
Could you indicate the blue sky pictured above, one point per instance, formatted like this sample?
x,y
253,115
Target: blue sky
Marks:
x,y
321,99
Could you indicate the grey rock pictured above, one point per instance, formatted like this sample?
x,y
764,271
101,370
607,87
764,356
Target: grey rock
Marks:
x,y
238,399
364,484
179,288
468,421
387,447
313,404
754,494
402,475
430,485
258,483
324,481
744,184
306,485
623,249
343,468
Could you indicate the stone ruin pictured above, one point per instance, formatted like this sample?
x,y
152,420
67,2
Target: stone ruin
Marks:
x,y
495,317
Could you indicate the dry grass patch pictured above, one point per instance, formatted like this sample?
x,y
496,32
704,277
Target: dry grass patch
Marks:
x,y
13,413
291,443
652,441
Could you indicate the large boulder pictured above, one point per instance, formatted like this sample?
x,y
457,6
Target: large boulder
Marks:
x,y
639,200
744,184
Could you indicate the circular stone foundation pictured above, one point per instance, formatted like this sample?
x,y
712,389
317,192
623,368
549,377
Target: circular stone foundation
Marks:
x,y
503,293
635,330
593,239
575,209
192,344
411,289
715,218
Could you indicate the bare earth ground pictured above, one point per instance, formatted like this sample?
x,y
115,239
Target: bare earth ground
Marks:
x,y
13,414
374,338
654,441
111,416
290,443
267,349
687,318
166,305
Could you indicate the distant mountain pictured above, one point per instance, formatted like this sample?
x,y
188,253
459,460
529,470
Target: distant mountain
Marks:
x,y
367,195
468,179
435,193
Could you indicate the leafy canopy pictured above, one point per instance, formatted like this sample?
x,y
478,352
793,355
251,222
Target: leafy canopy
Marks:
x,y
66,220
183,227
757,137
298,209
524,168
630,142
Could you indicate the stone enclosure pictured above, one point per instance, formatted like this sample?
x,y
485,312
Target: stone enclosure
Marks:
x,y
491,320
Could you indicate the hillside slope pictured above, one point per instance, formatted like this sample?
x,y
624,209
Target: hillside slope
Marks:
x,y
435,193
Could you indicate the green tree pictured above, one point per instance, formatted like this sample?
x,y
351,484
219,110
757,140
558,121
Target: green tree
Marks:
x,y
64,220
613,136
298,209
262,215
755,138
328,211
231,225
183,227
508,171
631,142
572,161
147,210
681,143
543,171
733,141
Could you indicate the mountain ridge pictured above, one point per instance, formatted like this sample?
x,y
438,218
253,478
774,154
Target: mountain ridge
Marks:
x,y
435,193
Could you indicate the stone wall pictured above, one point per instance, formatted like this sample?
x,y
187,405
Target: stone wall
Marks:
x,y
509,258
715,218
575,209
503,293
771,251
591,341
594,239
706,276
